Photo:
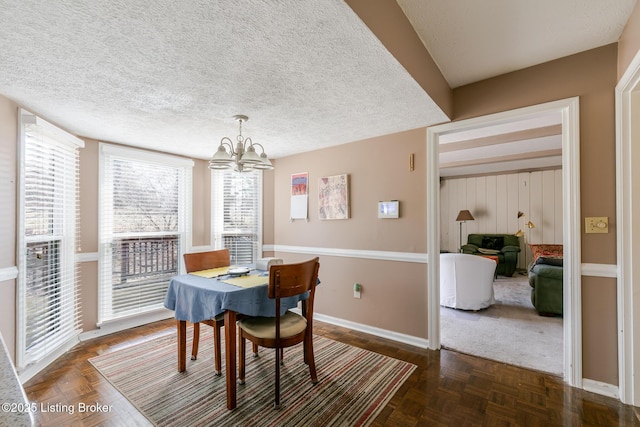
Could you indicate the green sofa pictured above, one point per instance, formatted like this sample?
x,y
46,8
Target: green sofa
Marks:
x,y
505,246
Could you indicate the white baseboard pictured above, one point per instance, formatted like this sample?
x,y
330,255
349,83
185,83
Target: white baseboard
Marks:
x,y
598,387
371,330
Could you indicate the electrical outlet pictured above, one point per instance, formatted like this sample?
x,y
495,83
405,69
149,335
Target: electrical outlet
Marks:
x,y
357,288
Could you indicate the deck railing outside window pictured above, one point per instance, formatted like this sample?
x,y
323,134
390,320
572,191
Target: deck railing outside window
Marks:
x,y
143,267
44,296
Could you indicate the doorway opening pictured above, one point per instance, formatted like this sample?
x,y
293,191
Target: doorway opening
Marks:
x,y
569,112
508,178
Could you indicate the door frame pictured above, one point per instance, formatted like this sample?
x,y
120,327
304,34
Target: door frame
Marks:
x,y
572,290
627,95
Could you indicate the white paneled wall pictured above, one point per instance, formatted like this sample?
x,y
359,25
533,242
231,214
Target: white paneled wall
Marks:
x,y
494,202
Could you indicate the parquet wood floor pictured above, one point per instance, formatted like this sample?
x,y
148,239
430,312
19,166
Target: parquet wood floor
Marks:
x,y
447,389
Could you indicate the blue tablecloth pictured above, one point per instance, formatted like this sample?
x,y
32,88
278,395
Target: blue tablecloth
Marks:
x,y
196,298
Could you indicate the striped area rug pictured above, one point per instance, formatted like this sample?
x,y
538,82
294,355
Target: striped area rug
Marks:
x,y
354,385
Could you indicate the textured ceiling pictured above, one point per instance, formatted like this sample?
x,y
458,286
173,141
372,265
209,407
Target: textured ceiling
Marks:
x,y
170,75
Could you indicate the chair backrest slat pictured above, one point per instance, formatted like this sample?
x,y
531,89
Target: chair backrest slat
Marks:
x,y
205,260
287,280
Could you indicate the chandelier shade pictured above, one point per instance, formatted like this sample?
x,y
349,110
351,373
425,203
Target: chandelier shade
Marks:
x,y
243,157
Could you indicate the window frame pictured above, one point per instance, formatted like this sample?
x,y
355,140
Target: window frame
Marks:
x,y
64,232
217,211
184,233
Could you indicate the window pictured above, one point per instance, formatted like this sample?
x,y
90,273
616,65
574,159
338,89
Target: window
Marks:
x,y
48,309
237,214
145,212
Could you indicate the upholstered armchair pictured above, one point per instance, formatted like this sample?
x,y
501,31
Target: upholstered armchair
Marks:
x,y
466,281
505,246
546,279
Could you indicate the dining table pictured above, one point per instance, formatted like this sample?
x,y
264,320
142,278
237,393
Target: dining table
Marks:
x,y
200,296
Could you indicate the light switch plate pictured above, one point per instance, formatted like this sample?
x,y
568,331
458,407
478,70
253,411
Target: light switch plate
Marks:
x,y
596,224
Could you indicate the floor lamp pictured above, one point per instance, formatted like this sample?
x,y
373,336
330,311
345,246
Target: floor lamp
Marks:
x,y
463,216
527,225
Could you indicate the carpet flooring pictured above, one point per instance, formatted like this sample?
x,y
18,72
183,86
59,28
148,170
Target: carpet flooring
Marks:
x,y
354,385
509,331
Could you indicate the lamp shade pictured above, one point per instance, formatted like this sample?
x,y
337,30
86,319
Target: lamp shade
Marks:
x,y
221,159
250,156
464,215
265,163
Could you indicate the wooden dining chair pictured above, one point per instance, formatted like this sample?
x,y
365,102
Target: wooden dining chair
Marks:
x,y
278,332
204,261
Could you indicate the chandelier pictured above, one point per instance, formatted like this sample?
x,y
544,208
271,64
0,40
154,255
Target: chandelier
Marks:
x,y
243,156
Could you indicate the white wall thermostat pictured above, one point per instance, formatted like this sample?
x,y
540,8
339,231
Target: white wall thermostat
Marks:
x,y
390,209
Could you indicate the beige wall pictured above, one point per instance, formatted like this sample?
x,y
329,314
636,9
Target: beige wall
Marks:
x,y
89,190
599,324
201,204
378,169
268,207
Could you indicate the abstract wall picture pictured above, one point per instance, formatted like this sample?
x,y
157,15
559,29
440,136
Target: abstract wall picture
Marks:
x,y
333,197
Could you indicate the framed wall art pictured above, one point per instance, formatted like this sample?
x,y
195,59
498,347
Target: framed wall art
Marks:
x,y
299,195
333,197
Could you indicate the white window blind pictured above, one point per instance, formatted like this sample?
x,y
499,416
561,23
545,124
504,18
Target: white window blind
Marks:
x,y
48,307
145,210
237,214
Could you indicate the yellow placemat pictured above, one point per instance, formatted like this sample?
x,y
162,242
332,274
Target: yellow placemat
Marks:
x,y
248,281
212,272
